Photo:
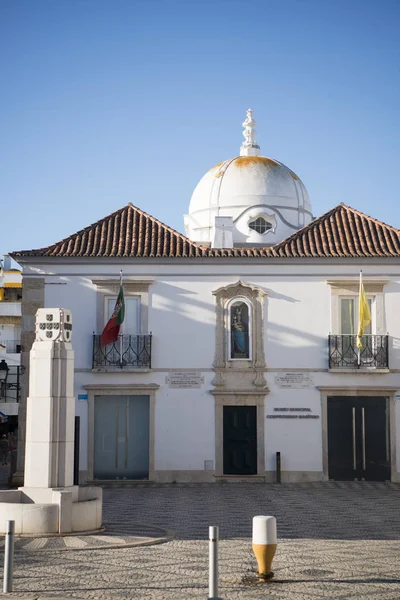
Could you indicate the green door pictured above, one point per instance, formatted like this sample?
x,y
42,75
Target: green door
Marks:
x,y
240,440
121,437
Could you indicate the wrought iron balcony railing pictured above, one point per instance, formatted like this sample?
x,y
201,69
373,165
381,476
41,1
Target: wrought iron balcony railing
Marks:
x,y
129,351
10,387
343,352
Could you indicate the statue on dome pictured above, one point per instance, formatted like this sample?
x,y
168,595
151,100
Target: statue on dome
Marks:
x,y
249,146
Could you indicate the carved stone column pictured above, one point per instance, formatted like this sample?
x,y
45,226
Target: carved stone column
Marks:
x,y
219,359
259,362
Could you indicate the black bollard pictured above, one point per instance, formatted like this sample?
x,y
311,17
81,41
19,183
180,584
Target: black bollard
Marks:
x,y
278,467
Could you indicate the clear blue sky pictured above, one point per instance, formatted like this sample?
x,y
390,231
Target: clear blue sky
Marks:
x,y
105,102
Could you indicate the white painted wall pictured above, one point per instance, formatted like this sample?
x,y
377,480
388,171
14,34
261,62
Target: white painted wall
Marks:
x,y
78,294
10,276
184,426
182,321
299,440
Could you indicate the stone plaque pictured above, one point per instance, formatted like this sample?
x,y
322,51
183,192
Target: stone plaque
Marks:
x,y
184,380
294,380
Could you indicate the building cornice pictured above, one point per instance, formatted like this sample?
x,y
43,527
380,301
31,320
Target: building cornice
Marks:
x,y
122,386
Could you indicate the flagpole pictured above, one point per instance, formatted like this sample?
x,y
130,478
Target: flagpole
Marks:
x,y
120,337
359,300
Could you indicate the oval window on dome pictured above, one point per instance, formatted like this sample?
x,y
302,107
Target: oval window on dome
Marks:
x,y
260,225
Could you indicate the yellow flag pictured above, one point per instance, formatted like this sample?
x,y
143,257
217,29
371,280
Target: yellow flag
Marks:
x,y
364,314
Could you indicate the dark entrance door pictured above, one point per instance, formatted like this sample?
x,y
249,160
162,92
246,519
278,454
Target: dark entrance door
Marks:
x,y
358,438
240,440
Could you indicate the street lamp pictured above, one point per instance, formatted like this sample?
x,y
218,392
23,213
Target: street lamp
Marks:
x,y
3,377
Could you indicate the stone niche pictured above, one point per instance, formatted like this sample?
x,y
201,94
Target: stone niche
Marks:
x,y
240,371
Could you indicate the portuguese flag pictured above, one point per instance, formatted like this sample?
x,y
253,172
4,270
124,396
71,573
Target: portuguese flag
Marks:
x,y
111,330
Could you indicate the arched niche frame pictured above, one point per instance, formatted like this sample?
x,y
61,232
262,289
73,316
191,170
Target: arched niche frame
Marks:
x,y
226,299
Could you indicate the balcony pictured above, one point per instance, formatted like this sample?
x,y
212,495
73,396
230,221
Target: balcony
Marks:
x,y
129,352
10,309
10,387
344,354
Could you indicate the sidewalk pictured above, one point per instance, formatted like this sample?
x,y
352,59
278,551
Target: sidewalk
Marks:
x,y
110,538
335,540
34,597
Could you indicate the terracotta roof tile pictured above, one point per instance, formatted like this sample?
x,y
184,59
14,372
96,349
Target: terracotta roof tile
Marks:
x,y
341,232
130,232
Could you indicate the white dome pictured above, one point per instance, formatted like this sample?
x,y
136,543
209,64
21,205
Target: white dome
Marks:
x,y
247,188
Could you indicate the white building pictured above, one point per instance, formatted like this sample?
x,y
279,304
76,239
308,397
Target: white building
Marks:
x,y
10,340
239,340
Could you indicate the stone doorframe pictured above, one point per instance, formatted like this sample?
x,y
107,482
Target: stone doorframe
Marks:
x,y
239,382
243,398
120,390
381,392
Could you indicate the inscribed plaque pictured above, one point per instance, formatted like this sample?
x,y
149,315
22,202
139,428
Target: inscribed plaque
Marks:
x,y
294,380
184,380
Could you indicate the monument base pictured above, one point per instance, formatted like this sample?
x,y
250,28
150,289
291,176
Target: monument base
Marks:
x,y
39,511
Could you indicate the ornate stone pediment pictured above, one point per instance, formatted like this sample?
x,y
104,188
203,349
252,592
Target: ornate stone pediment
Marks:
x,y
240,288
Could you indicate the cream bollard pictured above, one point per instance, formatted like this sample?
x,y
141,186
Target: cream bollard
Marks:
x,y
264,545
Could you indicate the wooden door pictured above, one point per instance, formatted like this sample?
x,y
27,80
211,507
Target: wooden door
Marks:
x,y
240,440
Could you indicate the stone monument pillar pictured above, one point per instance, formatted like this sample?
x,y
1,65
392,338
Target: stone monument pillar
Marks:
x,y
50,503
49,450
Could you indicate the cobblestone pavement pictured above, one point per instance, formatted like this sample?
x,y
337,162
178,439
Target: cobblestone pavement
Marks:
x,y
339,541
139,535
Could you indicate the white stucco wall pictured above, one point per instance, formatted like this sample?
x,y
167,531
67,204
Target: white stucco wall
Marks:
x,y
181,318
184,426
298,441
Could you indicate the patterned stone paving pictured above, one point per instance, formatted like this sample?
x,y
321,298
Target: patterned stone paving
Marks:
x,y
339,541
139,535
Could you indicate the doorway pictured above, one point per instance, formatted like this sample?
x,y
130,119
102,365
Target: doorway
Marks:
x,y
121,437
359,438
240,440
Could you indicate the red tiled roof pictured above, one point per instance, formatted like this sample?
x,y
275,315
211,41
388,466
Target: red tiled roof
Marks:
x,y
130,232
341,232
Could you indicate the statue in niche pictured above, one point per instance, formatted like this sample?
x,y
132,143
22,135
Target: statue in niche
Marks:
x,y
239,330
